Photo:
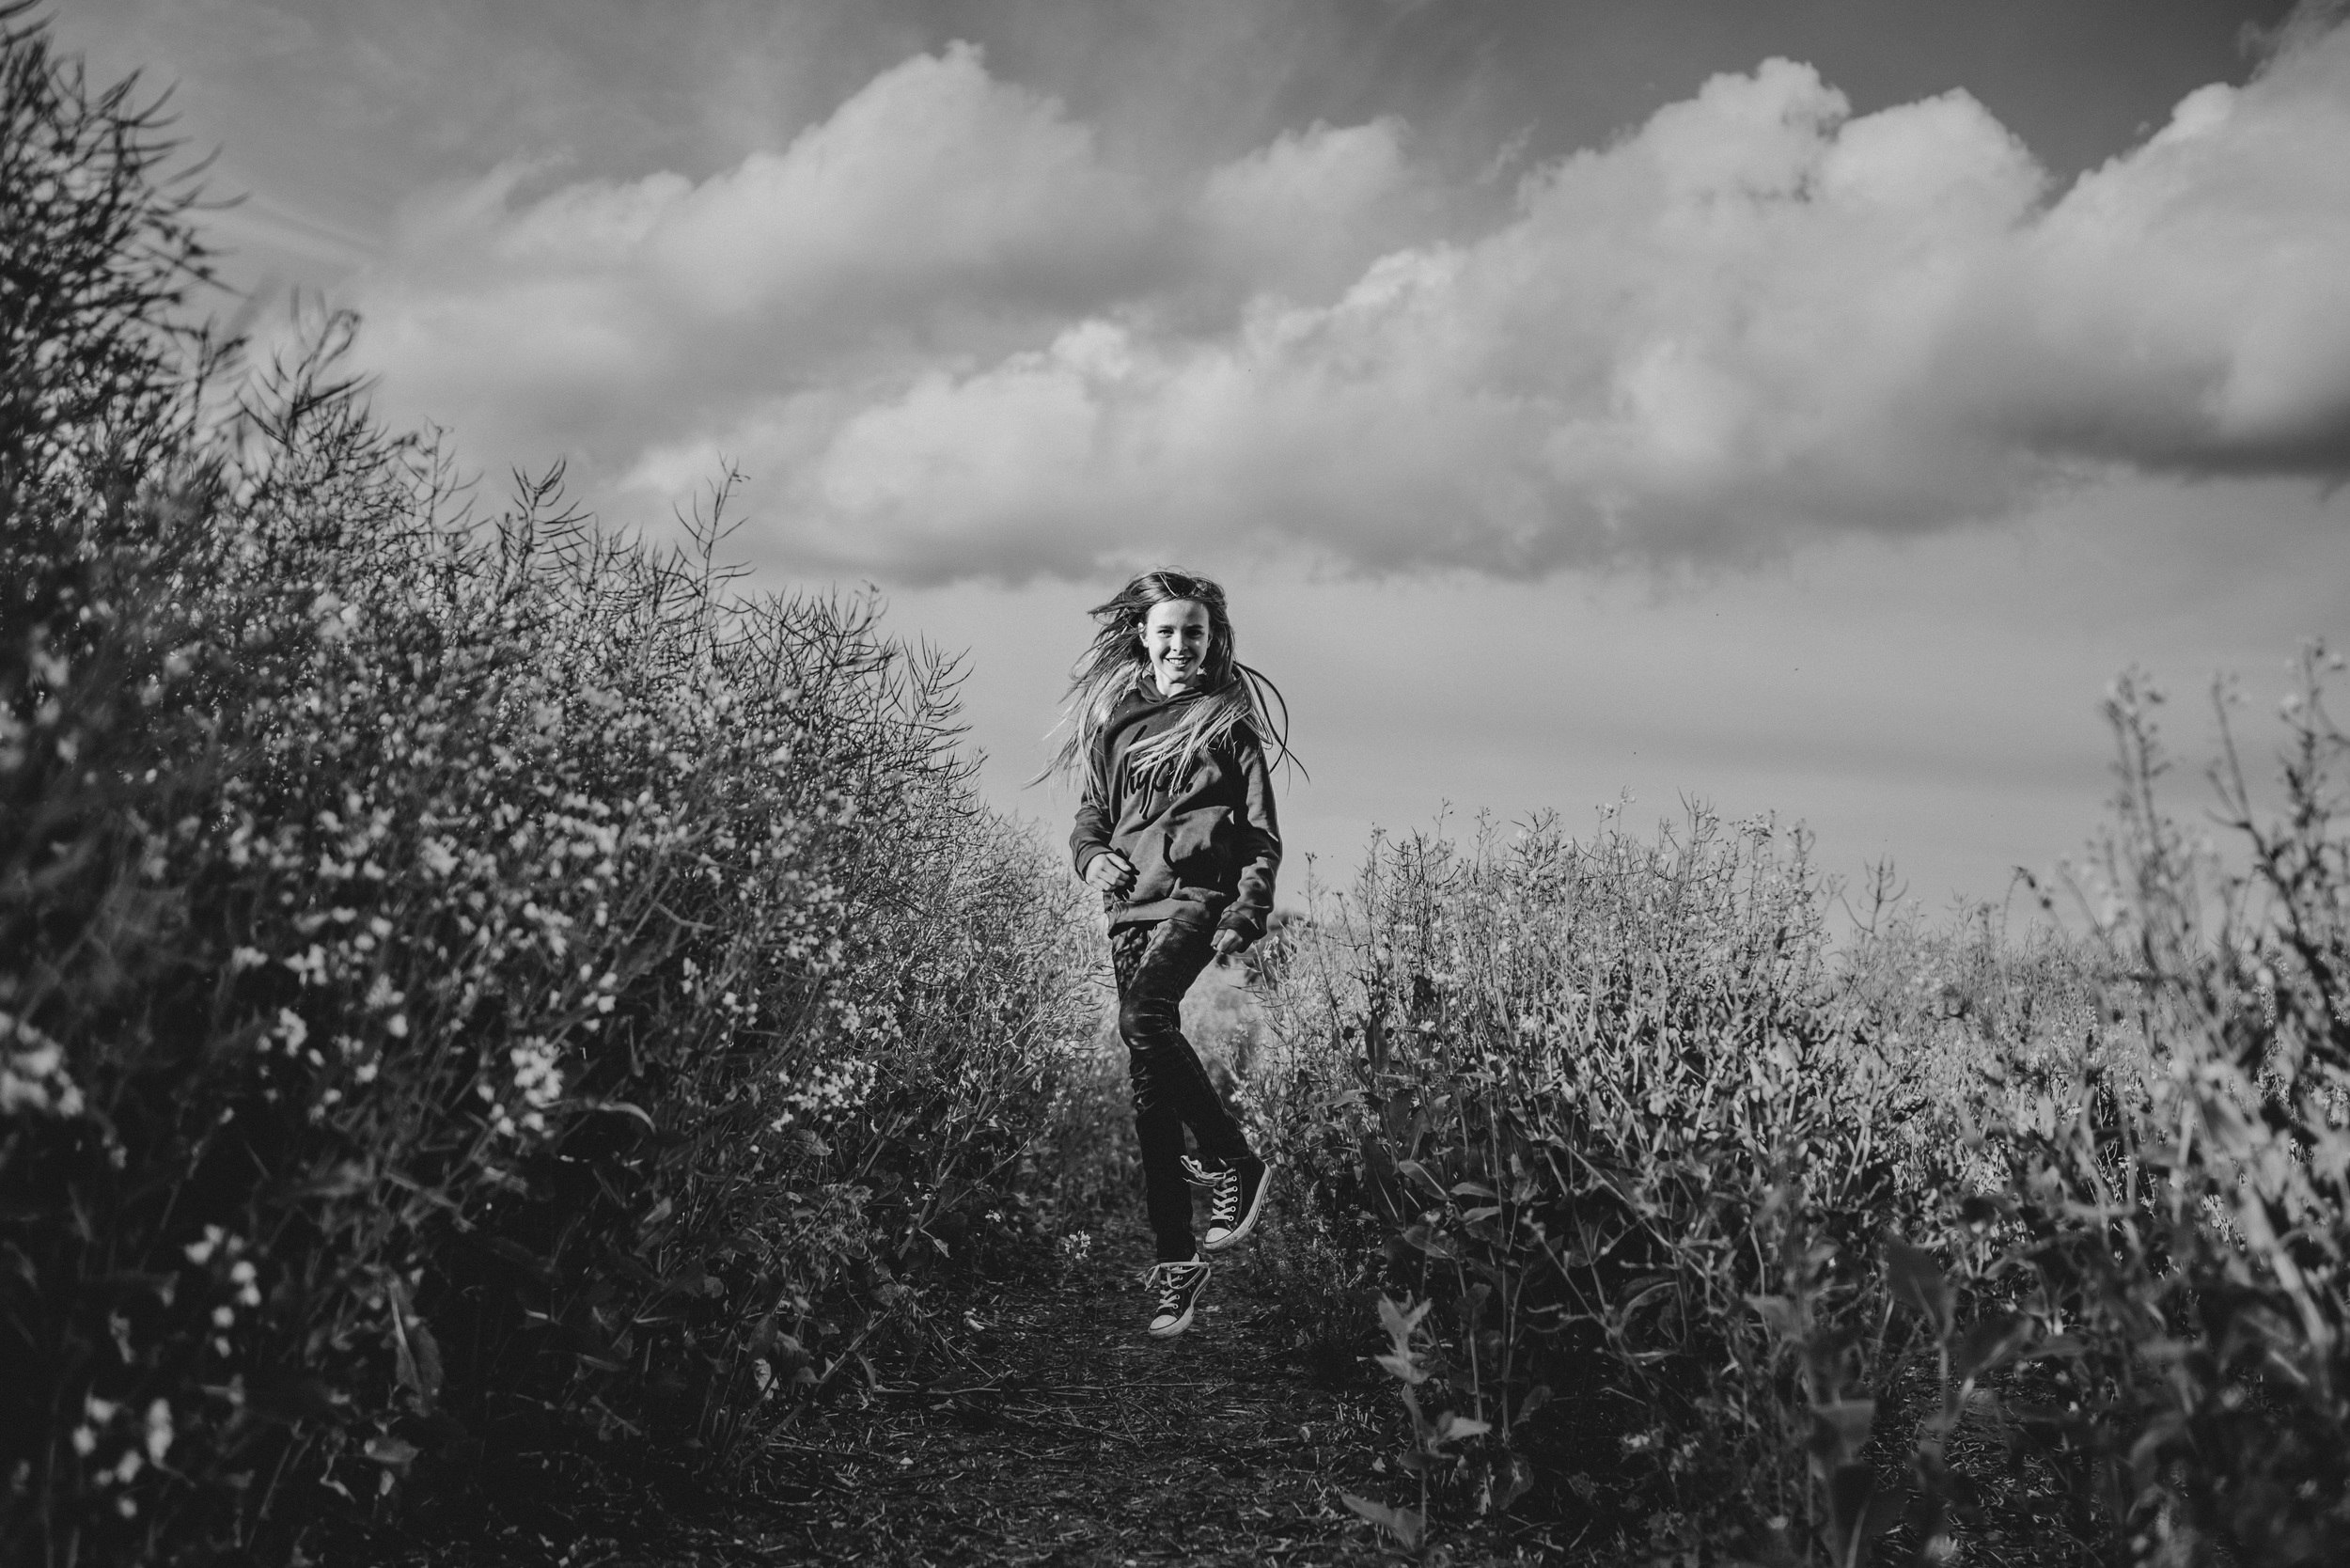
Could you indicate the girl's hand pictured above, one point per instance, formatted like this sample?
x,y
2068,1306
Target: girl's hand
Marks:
x,y
1229,942
1110,873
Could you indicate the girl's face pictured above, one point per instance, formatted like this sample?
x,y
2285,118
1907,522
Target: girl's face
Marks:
x,y
1175,635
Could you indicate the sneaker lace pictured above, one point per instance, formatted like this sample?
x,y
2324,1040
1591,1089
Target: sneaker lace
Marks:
x,y
1226,1207
1169,1280
1223,1188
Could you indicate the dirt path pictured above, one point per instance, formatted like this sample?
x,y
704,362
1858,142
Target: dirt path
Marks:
x,y
1059,1433
1073,1438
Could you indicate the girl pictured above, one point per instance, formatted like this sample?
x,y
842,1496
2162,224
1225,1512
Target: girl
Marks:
x,y
1176,829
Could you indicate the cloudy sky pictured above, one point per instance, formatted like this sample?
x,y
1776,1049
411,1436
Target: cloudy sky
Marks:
x,y
1802,405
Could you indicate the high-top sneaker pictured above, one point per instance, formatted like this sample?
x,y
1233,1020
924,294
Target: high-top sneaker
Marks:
x,y
1236,1198
1177,1286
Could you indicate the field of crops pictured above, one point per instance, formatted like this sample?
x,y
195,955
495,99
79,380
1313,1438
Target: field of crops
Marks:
x,y
1946,1245
470,985
473,985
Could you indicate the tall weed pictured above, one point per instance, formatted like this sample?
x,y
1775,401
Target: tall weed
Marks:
x,y
1950,1243
1564,1079
464,987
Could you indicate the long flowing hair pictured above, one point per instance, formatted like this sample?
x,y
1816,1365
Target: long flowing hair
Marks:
x,y
1232,695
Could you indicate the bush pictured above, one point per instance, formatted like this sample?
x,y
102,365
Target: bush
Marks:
x,y
463,987
2165,1263
1948,1242
1569,1086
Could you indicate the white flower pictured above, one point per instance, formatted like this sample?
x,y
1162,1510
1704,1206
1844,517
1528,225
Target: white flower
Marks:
x,y
159,1433
536,1076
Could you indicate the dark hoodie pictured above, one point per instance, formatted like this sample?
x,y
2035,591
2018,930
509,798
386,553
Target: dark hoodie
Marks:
x,y
1208,837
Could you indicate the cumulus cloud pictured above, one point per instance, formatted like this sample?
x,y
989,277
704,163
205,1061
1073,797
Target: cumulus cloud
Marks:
x,y
935,202
947,335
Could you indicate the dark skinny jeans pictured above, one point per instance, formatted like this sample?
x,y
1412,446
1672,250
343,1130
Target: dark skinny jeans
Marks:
x,y
1156,964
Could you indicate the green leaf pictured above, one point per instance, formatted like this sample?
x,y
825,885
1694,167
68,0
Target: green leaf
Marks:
x,y
1989,1344
1503,1490
1413,1168
417,1357
1399,1321
396,1453
1916,1281
341,1180
1777,1313
1840,1428
1428,1239
1454,1427
1404,1523
1850,1490
2147,1451
428,1359
623,1108
1641,1290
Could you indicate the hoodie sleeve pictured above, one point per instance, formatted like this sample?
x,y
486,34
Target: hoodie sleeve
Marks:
x,y
1092,834
1260,847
